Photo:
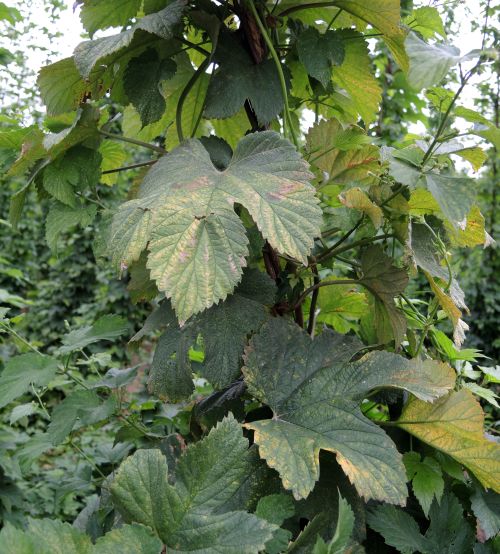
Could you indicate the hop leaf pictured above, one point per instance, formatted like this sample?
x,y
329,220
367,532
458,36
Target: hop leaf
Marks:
x,y
185,209
192,515
315,392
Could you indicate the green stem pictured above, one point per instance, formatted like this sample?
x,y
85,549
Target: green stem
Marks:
x,y
194,46
40,401
121,138
126,167
446,115
274,55
314,301
82,453
189,85
11,331
304,295
362,242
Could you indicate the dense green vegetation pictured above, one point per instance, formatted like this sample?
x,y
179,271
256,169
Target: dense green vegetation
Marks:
x,y
246,304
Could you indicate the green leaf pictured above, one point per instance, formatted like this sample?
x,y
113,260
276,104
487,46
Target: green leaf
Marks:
x,y
429,63
454,424
90,53
404,164
140,286
398,528
340,305
45,536
56,537
113,155
384,281
486,507
341,152
319,52
128,539
108,327
191,515
426,21
83,128
129,234
61,219
343,530
7,13
426,478
61,86
79,409
355,75
142,84
23,371
425,255
77,170
276,508
314,393
449,531
455,195
224,329
96,15
198,244
23,410
238,79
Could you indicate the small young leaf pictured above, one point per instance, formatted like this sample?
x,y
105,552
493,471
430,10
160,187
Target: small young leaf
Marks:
x,y
108,327
426,478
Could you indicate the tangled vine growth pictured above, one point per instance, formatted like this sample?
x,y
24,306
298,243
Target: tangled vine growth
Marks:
x,y
299,271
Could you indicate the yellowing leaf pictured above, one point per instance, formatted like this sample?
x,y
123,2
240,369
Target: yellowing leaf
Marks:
x,y
340,305
359,200
474,233
341,152
113,155
454,424
355,75
476,156
422,203
451,310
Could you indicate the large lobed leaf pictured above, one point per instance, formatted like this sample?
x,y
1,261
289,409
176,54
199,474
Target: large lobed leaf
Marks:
x,y
314,392
193,514
197,243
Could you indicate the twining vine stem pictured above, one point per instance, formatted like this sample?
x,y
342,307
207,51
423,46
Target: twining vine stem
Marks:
x,y
121,138
274,55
